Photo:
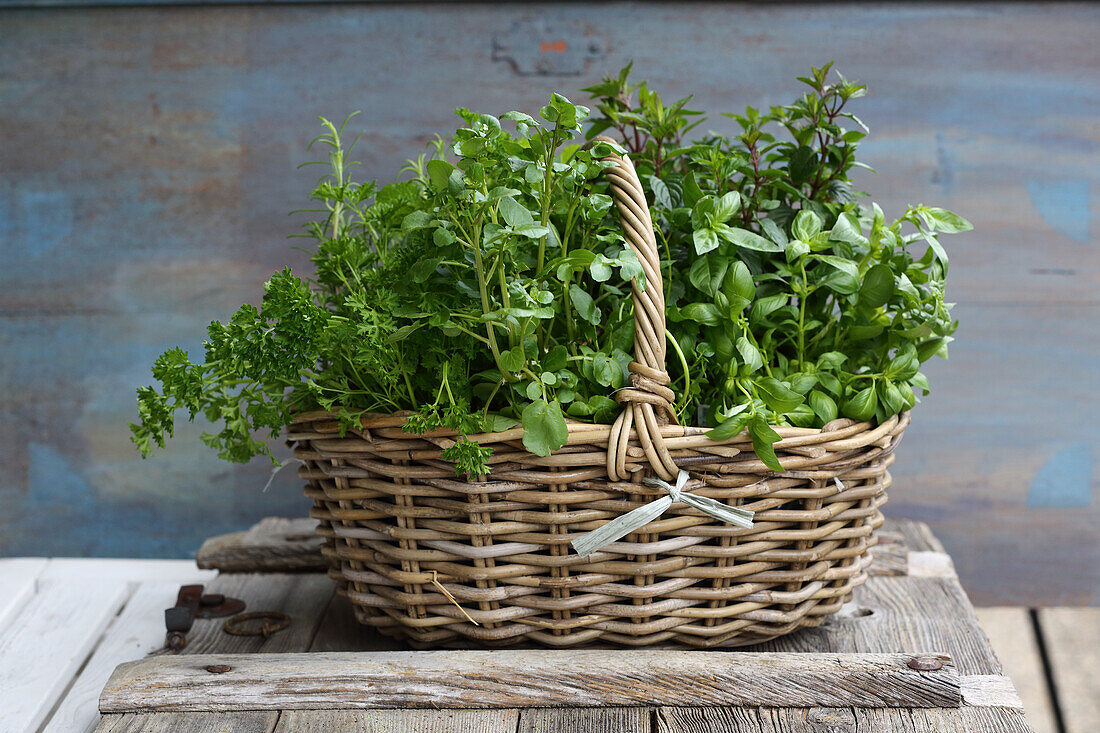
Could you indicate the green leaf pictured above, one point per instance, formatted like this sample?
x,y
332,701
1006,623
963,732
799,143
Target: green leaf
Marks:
x,y
748,240
706,273
705,313
556,359
846,278
439,173
847,229
423,269
948,222
877,287
513,359
692,193
806,225
544,428
738,286
416,220
606,371
705,240
514,213
861,406
726,207
763,440
731,427
823,406
750,355
777,395
773,231
585,306
442,237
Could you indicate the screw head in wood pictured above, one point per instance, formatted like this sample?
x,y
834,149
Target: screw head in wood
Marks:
x,y
925,663
218,668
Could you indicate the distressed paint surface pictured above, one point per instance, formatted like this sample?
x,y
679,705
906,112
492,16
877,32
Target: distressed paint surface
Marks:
x,y
148,158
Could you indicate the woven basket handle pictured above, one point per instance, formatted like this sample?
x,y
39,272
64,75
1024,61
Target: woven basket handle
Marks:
x,y
647,402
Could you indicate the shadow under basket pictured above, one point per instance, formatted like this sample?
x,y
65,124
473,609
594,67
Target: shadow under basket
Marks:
x,y
423,555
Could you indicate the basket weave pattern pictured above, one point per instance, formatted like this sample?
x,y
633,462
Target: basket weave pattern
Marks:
x,y
401,528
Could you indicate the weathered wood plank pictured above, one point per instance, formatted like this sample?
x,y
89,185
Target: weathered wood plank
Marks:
x,y
755,720
513,678
250,722
399,721
990,691
966,720
901,614
44,646
589,720
1012,636
839,720
125,570
340,631
303,597
18,584
273,545
137,631
1072,640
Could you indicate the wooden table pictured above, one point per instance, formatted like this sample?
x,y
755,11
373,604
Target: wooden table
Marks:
x,y
67,624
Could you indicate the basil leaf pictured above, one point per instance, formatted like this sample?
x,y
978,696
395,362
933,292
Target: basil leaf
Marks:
x,y
777,395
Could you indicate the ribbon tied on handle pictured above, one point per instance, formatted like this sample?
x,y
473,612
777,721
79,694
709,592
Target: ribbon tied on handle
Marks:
x,y
634,520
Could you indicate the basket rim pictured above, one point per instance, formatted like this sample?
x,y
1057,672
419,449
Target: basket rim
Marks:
x,y
838,431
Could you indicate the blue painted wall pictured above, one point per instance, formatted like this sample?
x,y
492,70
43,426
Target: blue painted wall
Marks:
x,y
148,158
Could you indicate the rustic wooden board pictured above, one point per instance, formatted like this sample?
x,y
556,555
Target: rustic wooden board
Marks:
x,y
250,722
838,720
303,597
1012,635
522,678
137,631
892,614
42,648
400,721
18,583
338,631
1072,640
589,720
273,545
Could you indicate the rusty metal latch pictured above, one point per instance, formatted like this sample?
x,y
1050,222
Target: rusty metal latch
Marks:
x,y
192,603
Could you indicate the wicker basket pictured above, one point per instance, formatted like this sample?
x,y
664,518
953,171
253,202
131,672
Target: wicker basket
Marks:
x,y
421,554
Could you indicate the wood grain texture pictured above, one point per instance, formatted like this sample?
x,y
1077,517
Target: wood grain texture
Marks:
x,y
18,583
515,678
272,545
1072,637
839,720
44,646
399,721
252,722
1012,636
187,124
137,631
303,597
589,720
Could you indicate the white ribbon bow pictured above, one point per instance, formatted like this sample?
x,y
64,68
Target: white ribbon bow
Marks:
x,y
634,520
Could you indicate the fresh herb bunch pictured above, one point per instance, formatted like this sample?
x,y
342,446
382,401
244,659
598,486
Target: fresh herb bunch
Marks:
x,y
494,290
